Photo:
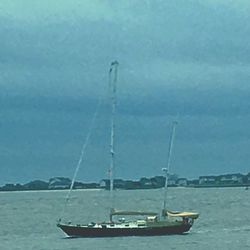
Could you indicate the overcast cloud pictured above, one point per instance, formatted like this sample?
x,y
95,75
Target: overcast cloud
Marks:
x,y
187,60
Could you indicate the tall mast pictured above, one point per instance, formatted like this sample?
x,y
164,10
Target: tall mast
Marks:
x,y
166,170
113,80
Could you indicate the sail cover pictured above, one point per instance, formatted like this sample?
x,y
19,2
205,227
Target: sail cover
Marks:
x,y
182,214
124,212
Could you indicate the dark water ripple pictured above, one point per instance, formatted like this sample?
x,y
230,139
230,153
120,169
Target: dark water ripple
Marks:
x,y
28,219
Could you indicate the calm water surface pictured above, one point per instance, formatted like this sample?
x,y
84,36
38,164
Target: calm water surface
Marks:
x,y
28,219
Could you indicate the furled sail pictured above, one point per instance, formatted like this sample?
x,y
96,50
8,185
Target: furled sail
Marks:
x,y
181,214
124,212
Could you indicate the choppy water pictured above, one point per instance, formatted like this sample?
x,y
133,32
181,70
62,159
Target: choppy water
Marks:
x,y
28,219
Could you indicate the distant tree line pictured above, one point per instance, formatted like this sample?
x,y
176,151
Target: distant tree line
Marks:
x,y
59,183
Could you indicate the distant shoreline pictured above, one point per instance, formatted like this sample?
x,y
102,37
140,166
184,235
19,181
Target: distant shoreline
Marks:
x,y
50,190
156,182
100,189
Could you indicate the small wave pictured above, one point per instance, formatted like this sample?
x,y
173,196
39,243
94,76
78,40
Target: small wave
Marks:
x,y
237,229
202,231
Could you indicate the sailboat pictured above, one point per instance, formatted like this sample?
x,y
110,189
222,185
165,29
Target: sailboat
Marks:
x,y
147,223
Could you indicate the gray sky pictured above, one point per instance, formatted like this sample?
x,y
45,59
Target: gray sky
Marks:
x,y
185,59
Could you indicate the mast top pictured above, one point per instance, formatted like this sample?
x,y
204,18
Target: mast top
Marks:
x,y
114,63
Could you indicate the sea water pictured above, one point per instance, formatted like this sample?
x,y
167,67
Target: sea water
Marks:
x,y
28,219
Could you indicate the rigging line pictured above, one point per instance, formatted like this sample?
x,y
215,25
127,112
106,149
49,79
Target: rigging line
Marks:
x,y
166,170
82,154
